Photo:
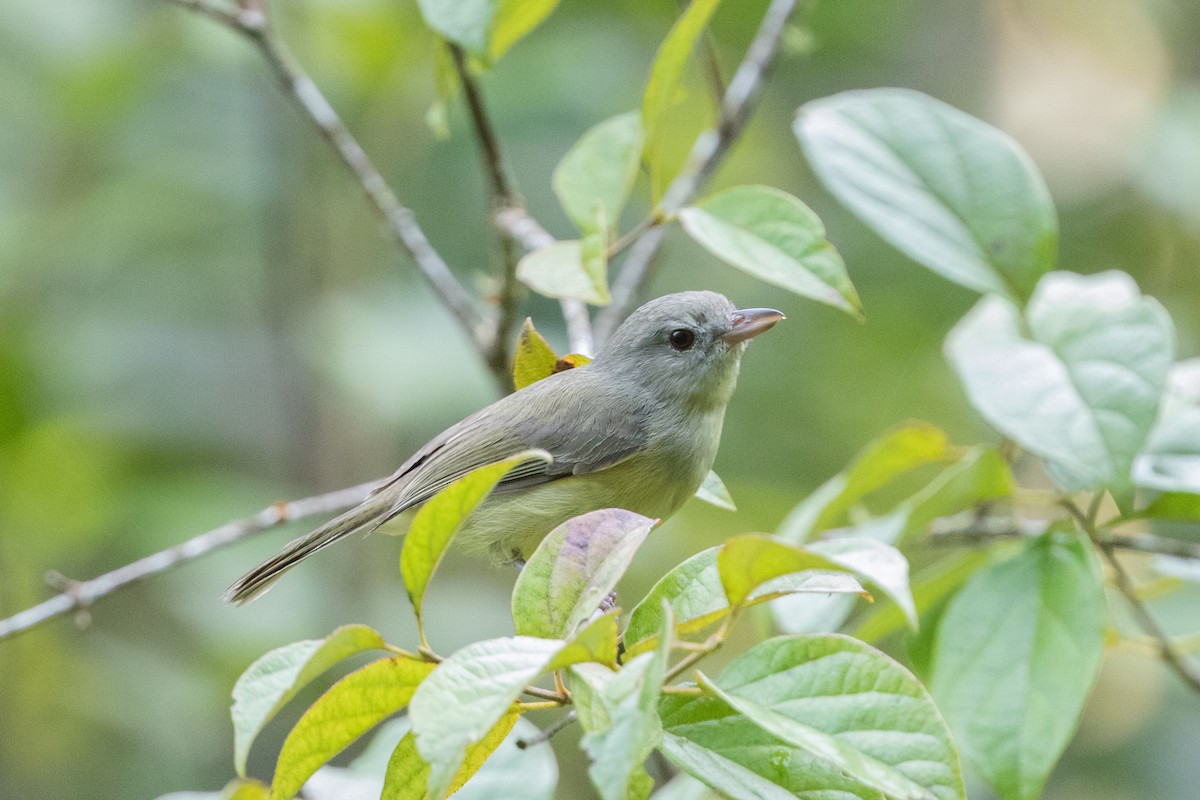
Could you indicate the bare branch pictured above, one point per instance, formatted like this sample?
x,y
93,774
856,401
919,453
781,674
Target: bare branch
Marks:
x,y
707,153
504,195
520,226
1177,660
252,21
984,530
79,595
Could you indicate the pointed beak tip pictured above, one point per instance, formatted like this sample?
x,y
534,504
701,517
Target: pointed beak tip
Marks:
x,y
750,322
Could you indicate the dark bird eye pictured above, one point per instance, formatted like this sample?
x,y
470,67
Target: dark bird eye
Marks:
x,y
682,339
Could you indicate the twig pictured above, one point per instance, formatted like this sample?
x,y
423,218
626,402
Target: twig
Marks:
x,y
518,224
253,22
1175,659
511,218
987,529
706,155
79,595
546,735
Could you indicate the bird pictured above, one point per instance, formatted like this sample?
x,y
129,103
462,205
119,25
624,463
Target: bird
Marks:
x,y
636,428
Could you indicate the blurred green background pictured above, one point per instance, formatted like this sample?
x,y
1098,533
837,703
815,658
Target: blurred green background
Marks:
x,y
199,314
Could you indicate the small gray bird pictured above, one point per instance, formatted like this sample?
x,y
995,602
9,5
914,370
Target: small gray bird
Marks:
x,y
637,428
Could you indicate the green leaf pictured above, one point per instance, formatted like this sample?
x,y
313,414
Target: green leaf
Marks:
x,y
981,475
534,358
573,570
623,726
666,77
472,689
1178,506
930,587
1016,654
1170,461
511,771
435,525
349,709
774,237
745,563
713,492
895,453
949,191
408,775
594,178
275,678
875,563
697,598
849,713
485,28
849,760
1078,382
568,269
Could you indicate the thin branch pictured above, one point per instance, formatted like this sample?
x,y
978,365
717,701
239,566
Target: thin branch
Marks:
x,y
546,735
80,595
515,223
950,531
504,195
253,22
1175,659
706,155
519,225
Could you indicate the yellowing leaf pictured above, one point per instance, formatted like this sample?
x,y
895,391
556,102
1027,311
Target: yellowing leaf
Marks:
x,y
534,359
350,708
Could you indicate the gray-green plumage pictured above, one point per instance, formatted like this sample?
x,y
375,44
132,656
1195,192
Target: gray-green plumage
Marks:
x,y
637,428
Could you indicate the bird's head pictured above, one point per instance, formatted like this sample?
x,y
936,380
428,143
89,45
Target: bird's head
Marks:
x,y
686,347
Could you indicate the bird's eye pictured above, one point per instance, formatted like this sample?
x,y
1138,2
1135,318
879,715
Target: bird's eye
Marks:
x,y
682,339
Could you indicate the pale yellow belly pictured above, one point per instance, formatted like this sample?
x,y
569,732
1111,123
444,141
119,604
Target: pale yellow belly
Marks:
x,y
510,525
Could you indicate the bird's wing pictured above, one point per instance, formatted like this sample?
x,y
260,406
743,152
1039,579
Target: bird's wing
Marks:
x,y
604,430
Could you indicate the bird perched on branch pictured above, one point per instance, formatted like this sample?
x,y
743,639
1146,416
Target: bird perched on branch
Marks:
x,y
637,428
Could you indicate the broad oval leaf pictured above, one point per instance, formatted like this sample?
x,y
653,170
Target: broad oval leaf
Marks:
x,y
876,563
472,689
978,476
576,269
1082,387
744,563
485,28
435,525
594,178
773,236
713,492
511,771
275,678
623,727
697,599
948,190
534,358
407,773
829,695
1015,656
350,708
662,89
895,453
573,570
1170,461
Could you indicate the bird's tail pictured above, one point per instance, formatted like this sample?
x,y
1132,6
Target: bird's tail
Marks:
x,y
366,517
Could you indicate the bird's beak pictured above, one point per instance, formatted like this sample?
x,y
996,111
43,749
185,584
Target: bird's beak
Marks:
x,y
747,323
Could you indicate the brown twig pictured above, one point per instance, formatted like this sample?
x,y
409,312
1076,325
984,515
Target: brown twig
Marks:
x,y
706,155
514,222
80,595
1176,660
252,21
952,531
